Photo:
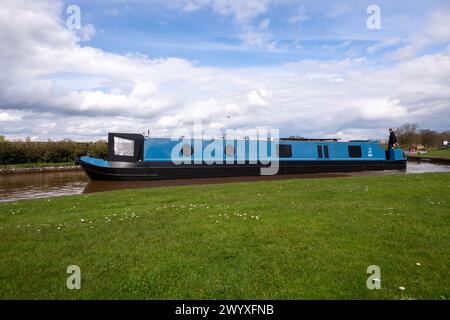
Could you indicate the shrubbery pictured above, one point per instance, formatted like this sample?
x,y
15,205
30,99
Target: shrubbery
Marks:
x,y
410,133
18,152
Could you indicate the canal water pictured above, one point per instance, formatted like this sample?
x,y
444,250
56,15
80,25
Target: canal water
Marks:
x,y
48,184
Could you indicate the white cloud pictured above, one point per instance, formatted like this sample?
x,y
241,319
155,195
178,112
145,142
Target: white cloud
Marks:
x,y
241,11
438,29
258,97
435,31
354,133
300,17
339,9
264,24
379,109
7,117
87,32
404,53
386,43
259,39
50,86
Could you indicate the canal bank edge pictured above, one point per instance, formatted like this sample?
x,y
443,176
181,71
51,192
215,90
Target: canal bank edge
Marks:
x,y
39,169
441,160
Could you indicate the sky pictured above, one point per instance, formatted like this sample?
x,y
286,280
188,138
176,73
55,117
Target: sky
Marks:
x,y
308,68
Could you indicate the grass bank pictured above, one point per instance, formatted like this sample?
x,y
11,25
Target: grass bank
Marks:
x,y
285,239
438,153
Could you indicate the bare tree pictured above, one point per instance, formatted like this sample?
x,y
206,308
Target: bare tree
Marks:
x,y
407,134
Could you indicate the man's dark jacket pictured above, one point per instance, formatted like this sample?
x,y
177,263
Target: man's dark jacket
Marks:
x,y
392,139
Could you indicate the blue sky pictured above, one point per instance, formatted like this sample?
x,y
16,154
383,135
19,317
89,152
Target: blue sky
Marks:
x,y
297,29
309,68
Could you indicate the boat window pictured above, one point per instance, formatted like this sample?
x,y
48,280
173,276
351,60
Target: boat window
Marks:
x,y
354,151
187,150
325,150
229,150
284,151
319,151
123,147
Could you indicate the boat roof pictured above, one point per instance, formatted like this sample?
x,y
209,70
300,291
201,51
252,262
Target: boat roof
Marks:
x,y
308,139
279,139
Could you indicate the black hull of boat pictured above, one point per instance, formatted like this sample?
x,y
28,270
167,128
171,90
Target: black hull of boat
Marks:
x,y
162,171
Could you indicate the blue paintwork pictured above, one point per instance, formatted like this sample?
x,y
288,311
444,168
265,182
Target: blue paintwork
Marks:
x,y
397,154
95,161
160,149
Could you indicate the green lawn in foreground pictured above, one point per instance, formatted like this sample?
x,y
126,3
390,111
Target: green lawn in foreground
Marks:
x,y
285,239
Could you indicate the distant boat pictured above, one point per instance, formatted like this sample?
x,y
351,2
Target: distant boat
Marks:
x,y
135,157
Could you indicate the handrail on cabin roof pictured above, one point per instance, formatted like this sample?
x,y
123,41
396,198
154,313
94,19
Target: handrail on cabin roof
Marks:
x,y
309,139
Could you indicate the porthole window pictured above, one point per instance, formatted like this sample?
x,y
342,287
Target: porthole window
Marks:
x,y
186,150
229,150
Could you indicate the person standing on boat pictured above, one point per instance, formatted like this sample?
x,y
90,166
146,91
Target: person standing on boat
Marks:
x,y
391,144
392,139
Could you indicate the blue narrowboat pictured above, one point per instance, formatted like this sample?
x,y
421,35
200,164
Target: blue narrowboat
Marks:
x,y
136,157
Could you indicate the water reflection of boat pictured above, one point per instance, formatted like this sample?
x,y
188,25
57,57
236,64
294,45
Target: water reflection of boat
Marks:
x,y
102,186
135,157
